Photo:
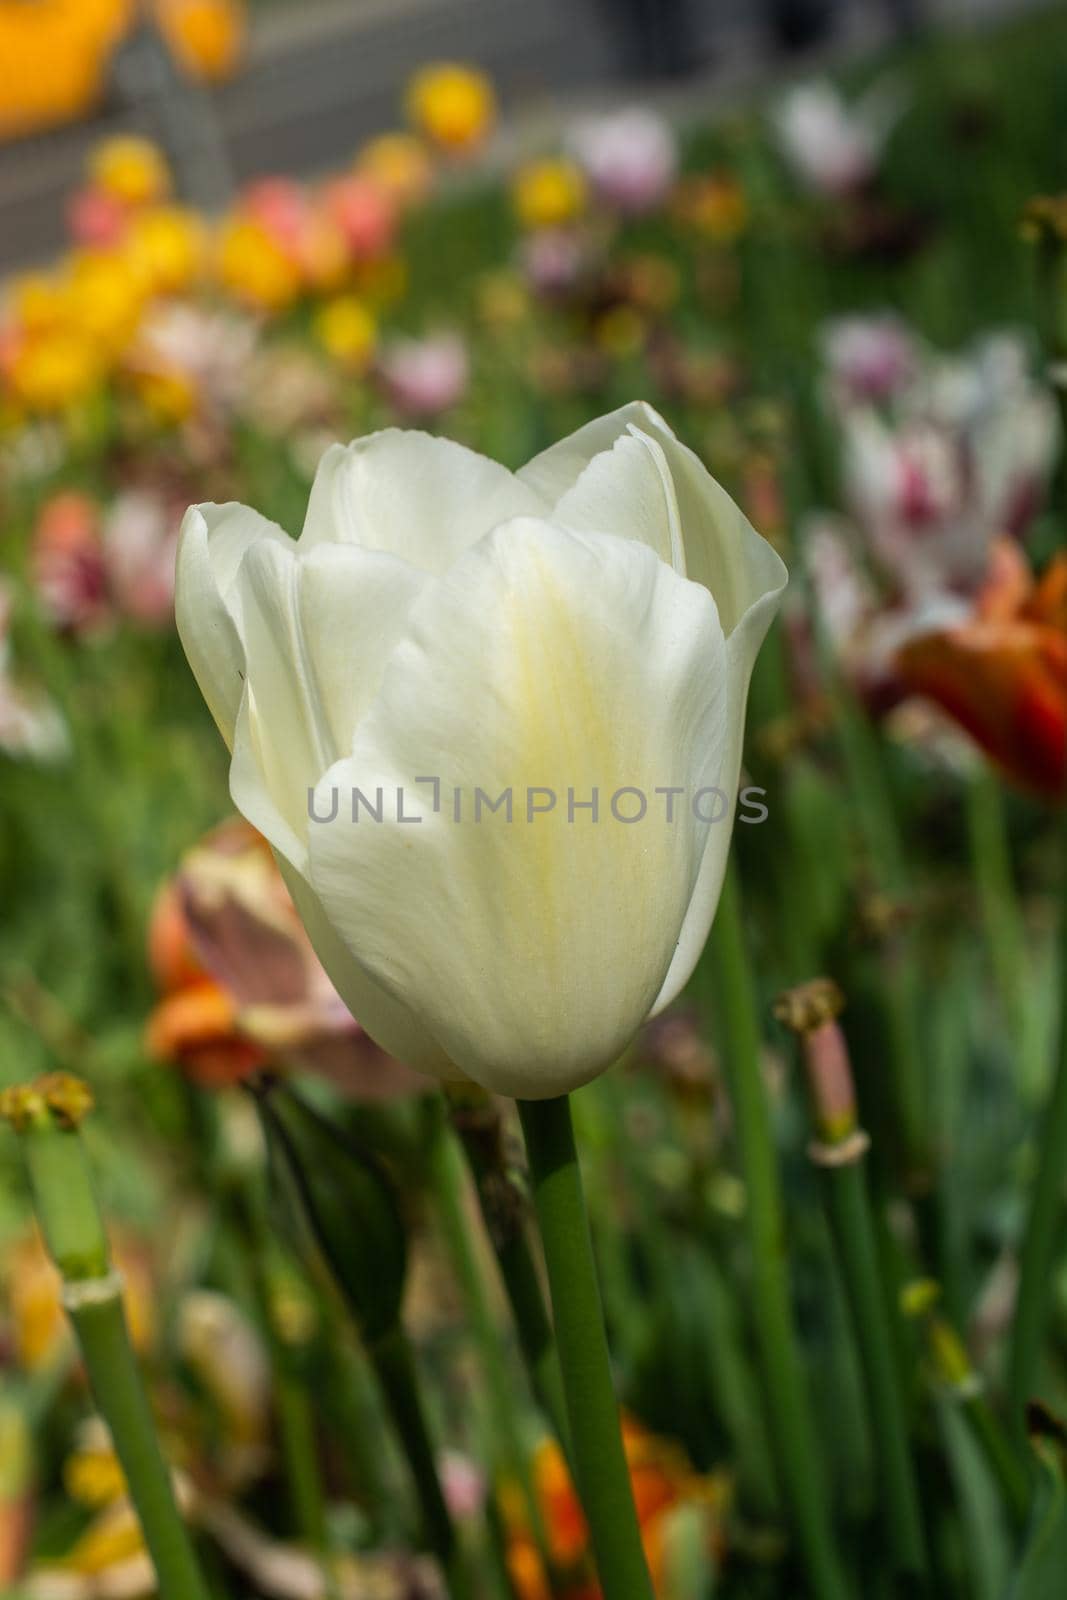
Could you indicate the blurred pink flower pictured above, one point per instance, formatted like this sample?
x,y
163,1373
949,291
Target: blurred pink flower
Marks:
x,y
140,543
463,1483
630,157
868,357
96,219
832,146
364,213
280,206
423,377
554,260
67,564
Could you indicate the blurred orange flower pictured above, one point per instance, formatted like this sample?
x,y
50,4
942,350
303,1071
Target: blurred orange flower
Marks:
x,y
663,1482
1002,673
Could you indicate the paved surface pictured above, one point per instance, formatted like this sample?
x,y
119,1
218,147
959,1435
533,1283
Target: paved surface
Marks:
x,y
322,75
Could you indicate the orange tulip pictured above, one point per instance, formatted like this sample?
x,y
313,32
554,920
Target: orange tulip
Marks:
x,y
1002,673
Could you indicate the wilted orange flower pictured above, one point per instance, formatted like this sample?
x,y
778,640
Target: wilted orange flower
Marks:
x,y
1002,673
662,1480
241,984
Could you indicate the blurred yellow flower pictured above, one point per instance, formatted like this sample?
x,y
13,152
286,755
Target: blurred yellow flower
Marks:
x,y
31,1291
548,194
92,1475
323,253
166,248
105,298
131,169
254,268
205,36
400,163
451,104
54,370
167,394
37,301
346,330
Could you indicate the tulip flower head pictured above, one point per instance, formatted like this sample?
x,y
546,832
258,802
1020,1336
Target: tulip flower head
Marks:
x,y
482,718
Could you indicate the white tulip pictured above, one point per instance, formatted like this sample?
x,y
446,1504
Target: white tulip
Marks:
x,y
588,623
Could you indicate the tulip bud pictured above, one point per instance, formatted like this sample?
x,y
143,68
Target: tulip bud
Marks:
x,y
343,1196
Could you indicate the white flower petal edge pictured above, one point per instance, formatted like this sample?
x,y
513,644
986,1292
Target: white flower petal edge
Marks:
x,y
549,659
211,547
422,498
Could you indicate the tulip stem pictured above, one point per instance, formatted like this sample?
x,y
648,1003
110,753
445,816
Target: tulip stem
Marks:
x,y
47,1115
1046,1206
991,857
600,1461
789,1416
504,1205
848,1210
395,1368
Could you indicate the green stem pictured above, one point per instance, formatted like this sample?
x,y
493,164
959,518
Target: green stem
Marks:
x,y
600,1461
504,1206
788,1412
395,1368
47,1115
300,1453
1004,1461
848,1209
991,857
448,1175
109,1360
1046,1207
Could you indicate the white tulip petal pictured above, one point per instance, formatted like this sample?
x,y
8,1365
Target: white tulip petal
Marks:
x,y
211,546
318,629
725,554
422,498
722,549
556,469
532,950
389,1023
628,491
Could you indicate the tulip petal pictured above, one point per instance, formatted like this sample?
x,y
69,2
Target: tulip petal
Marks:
x,y
317,629
421,498
628,491
388,1022
544,659
211,547
722,549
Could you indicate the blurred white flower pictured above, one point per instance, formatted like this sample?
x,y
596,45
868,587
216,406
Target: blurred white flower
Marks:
x,y
630,157
31,726
833,146
963,456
